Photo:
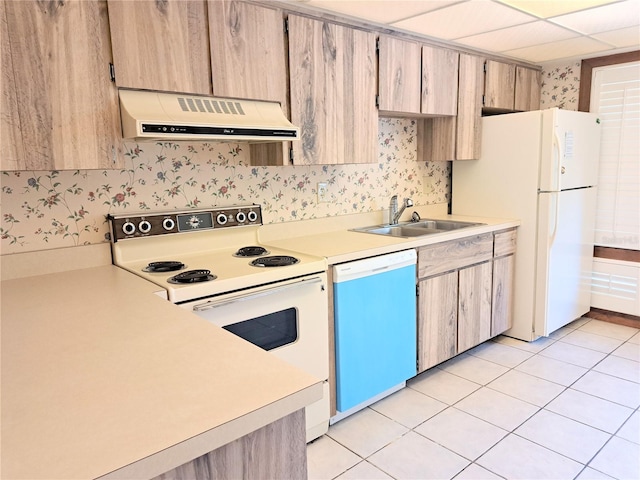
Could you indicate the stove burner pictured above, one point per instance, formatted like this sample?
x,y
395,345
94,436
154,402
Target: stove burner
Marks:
x,y
169,266
192,276
274,261
252,251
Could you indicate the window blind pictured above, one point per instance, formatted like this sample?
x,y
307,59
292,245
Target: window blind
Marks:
x,y
615,96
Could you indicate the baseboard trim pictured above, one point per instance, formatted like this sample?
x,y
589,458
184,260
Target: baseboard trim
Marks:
x,y
614,317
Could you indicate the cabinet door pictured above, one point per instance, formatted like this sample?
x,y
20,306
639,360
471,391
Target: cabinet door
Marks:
x,y
333,86
499,85
527,89
456,138
439,81
248,60
64,108
248,53
474,305
502,295
399,76
161,45
437,319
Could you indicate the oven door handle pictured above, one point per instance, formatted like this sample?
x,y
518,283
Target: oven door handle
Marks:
x,y
239,298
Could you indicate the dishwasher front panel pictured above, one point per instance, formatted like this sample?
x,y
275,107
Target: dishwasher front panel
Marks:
x,y
375,333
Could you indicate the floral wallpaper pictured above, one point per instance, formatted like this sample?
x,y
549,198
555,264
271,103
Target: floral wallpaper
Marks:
x,y
560,85
51,209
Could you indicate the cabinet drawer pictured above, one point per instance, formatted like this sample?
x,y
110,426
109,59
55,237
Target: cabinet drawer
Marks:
x,y
454,254
504,243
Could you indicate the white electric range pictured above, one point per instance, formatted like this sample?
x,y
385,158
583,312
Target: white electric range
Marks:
x,y
210,262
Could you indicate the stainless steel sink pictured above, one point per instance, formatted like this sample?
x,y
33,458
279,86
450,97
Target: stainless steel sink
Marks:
x,y
445,224
416,229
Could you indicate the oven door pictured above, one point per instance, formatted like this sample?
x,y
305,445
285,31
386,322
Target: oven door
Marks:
x,y
288,319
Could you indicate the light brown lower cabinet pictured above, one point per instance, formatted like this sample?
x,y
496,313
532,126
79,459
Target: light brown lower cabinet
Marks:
x,y
277,450
464,294
503,277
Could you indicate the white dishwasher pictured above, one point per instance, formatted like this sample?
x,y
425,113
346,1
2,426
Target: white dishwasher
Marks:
x,y
375,328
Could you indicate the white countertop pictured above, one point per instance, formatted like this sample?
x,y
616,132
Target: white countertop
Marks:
x,y
100,376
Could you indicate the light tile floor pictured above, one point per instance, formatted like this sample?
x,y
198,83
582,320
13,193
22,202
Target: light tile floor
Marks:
x,y
561,407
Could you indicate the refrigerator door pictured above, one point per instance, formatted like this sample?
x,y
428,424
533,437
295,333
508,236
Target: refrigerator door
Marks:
x,y
570,150
564,258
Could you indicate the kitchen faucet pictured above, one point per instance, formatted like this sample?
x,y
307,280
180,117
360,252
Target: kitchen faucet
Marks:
x,y
394,214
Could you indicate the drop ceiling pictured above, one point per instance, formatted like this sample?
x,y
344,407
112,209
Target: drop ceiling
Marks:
x,y
535,31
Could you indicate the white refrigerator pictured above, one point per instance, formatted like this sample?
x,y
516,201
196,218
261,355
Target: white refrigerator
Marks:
x,y
542,168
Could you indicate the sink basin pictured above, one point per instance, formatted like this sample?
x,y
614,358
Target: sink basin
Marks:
x,y
398,230
444,224
416,229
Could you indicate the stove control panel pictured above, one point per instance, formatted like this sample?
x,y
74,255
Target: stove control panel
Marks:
x,y
138,225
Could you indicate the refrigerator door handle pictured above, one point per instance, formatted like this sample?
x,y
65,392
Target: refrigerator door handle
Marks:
x,y
557,164
554,230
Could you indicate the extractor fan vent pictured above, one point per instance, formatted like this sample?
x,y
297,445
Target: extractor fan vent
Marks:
x,y
203,105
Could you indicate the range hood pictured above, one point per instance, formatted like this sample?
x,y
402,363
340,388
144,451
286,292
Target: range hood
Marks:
x,y
148,115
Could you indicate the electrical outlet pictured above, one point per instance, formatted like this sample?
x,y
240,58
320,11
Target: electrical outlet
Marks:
x,y
323,196
427,184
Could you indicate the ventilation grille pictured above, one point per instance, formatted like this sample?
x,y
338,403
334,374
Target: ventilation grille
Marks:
x,y
615,286
203,105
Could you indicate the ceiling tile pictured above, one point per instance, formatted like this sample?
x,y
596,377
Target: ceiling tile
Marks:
x,y
380,11
625,37
519,36
548,8
464,19
602,19
557,50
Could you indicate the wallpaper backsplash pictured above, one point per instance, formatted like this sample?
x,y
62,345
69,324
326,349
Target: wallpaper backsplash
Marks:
x,y
50,209
560,85
44,210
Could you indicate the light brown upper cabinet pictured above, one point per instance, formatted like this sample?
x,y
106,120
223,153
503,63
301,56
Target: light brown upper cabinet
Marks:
x,y
59,106
439,81
456,138
499,85
333,88
249,60
528,84
399,76
161,45
416,79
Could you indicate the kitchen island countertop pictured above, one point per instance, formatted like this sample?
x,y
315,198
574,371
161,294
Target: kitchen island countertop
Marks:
x,y
100,377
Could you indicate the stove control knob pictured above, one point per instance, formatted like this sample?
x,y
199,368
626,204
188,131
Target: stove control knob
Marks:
x,y
241,217
129,228
168,224
253,216
144,226
221,218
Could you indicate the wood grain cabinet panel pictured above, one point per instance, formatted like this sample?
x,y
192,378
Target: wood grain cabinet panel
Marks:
x,y
249,60
439,81
465,294
454,254
499,85
277,450
502,294
474,305
528,83
62,109
333,87
161,45
399,76
456,138
437,319
504,252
